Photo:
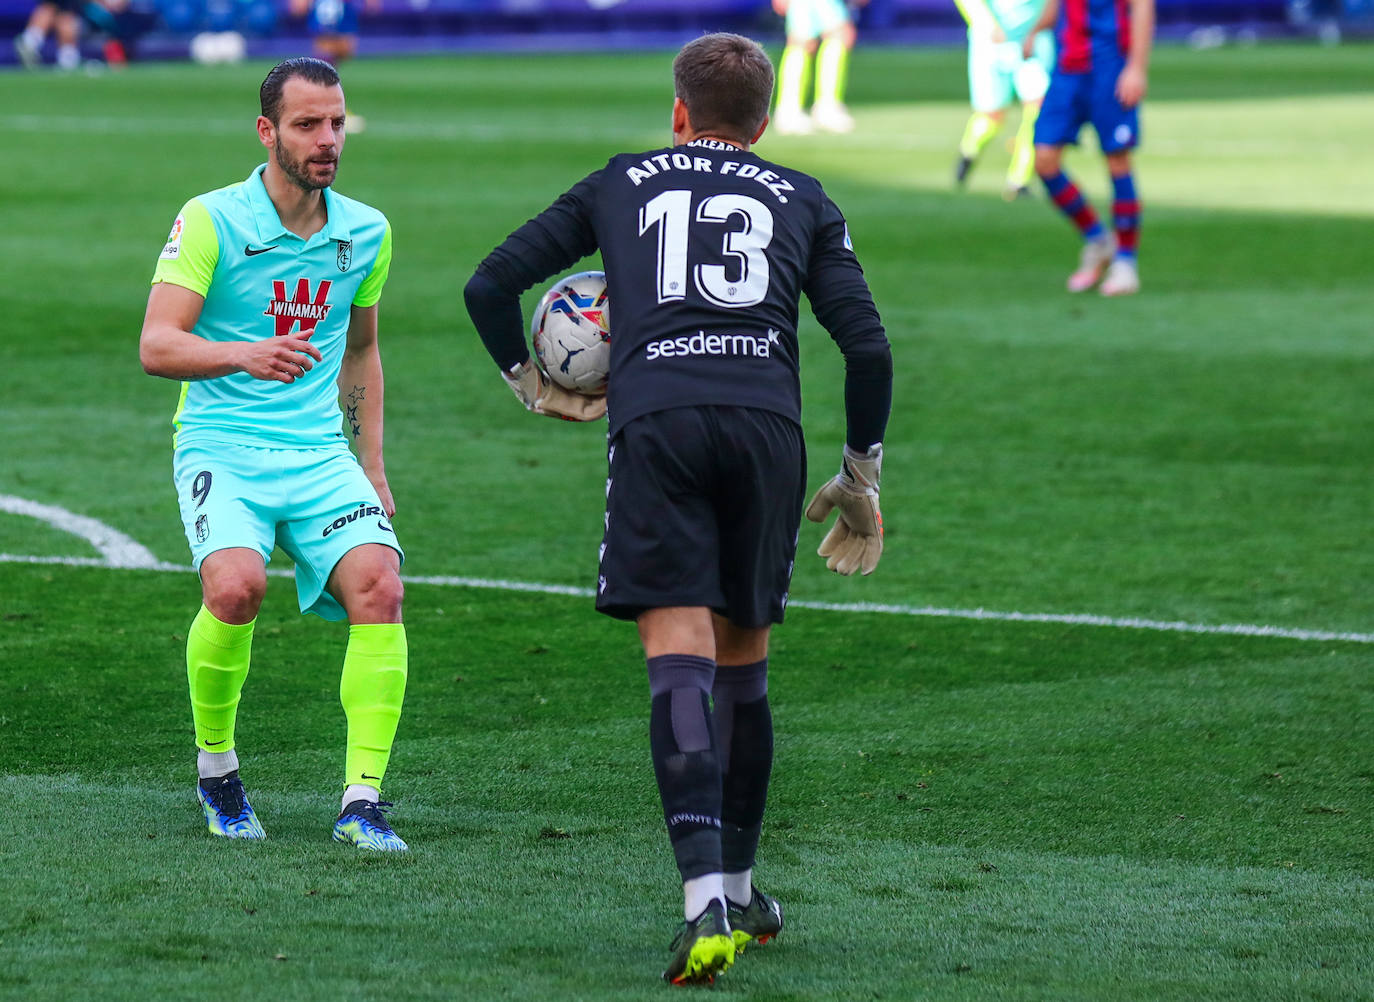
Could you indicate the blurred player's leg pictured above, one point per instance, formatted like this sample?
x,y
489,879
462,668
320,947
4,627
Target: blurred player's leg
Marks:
x,y
1022,166
28,45
790,117
989,94
68,39
1030,82
1123,276
1125,214
832,73
1098,245
978,132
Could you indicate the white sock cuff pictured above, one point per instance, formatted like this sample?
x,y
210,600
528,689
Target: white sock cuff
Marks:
x,y
360,791
212,764
699,892
739,886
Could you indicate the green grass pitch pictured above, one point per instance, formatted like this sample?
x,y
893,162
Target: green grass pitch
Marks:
x,y
962,808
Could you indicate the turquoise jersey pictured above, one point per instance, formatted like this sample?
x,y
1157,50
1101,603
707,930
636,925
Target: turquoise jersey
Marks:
x,y
260,280
1015,17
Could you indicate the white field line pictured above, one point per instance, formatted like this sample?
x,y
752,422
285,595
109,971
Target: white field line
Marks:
x,y
117,549
453,132
499,132
123,553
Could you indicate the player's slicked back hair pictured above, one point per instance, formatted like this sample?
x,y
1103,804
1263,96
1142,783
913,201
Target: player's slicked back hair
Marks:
x,y
726,82
306,67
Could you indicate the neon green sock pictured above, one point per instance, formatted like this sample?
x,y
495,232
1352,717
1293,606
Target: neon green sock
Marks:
x,y
832,71
1023,152
980,129
792,79
217,656
372,689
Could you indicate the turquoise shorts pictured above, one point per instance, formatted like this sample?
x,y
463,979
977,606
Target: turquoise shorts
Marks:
x,y
808,19
997,72
316,504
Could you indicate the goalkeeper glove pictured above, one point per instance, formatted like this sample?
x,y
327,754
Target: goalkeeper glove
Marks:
x,y
542,396
855,542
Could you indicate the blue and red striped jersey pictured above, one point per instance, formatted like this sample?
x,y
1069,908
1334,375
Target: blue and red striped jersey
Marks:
x,y
1090,26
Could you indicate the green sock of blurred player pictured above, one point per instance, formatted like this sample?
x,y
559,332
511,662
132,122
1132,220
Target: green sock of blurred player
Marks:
x,y
978,132
371,689
792,74
832,72
217,656
1022,166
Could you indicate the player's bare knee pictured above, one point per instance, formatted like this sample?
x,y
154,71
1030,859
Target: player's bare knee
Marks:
x,y
1048,160
376,597
233,598
1119,163
738,645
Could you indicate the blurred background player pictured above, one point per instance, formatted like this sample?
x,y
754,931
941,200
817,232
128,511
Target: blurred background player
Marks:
x,y
1100,77
823,29
333,26
63,19
998,69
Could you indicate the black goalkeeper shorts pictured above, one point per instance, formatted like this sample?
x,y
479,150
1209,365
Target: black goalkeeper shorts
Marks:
x,y
703,506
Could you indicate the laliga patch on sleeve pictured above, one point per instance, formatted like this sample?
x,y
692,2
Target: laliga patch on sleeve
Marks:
x,y
172,249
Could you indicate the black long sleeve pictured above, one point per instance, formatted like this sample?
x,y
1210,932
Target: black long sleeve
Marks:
x,y
495,313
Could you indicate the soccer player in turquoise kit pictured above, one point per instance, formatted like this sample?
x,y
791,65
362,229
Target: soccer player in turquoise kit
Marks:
x,y
264,305
1101,76
999,70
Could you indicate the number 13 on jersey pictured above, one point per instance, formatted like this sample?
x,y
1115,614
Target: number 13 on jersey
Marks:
x,y
738,278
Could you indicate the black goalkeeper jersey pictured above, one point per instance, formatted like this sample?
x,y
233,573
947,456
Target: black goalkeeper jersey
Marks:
x,y
707,250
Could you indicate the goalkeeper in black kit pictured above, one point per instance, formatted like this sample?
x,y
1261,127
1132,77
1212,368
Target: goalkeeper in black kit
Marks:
x,y
707,250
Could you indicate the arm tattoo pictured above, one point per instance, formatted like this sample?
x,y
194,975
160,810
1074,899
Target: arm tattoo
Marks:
x,y
355,397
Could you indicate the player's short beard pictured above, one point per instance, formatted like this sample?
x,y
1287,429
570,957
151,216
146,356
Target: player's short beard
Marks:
x,y
298,171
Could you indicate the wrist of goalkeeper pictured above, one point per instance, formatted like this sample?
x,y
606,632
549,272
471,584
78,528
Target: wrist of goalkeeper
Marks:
x,y
855,541
542,396
863,470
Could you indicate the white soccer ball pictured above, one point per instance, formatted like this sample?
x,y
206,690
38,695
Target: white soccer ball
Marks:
x,y
571,332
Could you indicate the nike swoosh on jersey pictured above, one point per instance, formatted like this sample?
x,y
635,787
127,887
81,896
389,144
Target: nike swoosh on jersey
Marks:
x,y
250,251
381,524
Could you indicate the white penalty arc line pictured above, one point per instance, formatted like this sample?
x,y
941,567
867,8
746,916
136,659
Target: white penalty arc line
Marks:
x,y
120,552
116,549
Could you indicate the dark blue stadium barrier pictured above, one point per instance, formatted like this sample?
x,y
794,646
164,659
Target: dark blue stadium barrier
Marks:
x,y
428,25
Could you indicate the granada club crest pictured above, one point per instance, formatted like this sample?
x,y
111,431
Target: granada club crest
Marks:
x,y
345,254
302,308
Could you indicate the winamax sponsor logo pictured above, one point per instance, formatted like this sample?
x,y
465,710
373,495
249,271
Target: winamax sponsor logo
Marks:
x,y
302,308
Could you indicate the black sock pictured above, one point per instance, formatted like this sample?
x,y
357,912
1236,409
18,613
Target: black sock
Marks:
x,y
744,735
682,742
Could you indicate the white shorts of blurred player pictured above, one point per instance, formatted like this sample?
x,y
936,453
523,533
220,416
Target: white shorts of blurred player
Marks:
x,y
997,72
